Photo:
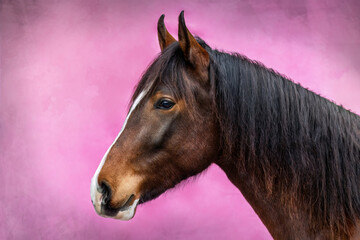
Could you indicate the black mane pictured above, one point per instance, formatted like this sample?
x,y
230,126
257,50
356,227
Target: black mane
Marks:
x,y
290,141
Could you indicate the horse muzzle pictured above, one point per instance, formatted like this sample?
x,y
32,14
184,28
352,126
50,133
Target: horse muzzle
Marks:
x,y
101,199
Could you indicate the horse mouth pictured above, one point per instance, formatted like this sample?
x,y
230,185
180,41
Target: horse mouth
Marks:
x,y
110,211
127,204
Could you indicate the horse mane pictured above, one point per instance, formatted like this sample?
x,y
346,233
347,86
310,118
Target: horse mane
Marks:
x,y
291,142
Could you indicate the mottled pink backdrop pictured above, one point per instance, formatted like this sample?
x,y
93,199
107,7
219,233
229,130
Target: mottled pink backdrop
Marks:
x,y
68,69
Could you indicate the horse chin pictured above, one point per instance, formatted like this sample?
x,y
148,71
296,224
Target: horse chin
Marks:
x,y
125,214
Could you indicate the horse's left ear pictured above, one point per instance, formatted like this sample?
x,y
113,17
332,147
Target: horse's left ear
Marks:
x,y
193,51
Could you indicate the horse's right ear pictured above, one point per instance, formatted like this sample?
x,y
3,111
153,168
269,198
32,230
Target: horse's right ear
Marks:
x,y
165,39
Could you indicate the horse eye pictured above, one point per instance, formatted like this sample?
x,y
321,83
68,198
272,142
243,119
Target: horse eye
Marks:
x,y
164,104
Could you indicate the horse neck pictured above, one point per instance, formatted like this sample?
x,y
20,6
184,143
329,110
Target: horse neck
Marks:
x,y
283,175
269,209
267,206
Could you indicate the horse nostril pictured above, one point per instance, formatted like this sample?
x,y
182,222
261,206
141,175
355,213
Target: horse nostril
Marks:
x,y
106,192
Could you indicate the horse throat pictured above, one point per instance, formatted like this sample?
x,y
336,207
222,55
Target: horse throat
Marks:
x,y
280,223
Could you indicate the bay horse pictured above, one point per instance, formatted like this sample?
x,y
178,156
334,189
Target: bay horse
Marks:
x,y
294,155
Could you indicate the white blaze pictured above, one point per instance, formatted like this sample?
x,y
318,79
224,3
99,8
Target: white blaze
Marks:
x,y
95,195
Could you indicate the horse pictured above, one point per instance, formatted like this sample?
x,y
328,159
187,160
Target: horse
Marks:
x,y
294,155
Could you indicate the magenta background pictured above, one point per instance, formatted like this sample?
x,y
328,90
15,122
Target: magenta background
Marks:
x,y
68,70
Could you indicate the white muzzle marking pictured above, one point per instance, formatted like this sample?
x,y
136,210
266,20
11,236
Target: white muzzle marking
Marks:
x,y
96,196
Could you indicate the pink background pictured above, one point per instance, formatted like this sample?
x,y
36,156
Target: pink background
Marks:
x,y
68,70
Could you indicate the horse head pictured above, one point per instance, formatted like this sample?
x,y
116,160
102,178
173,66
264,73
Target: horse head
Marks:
x,y
170,132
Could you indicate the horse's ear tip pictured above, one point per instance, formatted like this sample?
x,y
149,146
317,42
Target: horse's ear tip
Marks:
x,y
161,22
181,17
161,18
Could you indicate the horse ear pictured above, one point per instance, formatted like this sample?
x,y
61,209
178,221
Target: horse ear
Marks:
x,y
165,39
193,51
